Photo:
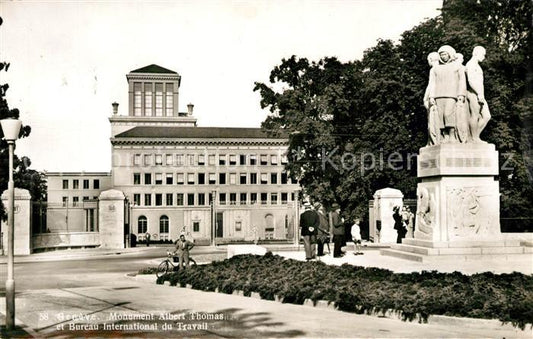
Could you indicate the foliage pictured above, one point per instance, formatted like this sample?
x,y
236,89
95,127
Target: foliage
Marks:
x,y
368,113
507,297
148,270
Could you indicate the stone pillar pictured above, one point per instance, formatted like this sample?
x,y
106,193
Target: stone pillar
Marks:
x,y
22,245
111,219
384,200
458,196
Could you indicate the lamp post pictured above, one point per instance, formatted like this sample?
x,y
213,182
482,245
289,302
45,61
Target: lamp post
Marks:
x,y
11,129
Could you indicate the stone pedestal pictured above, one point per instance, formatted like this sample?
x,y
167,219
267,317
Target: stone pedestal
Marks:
x,y
381,222
111,219
22,238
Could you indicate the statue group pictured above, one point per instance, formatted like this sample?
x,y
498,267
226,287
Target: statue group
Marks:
x,y
455,98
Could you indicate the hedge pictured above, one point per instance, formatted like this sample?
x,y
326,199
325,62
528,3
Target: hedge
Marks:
x,y
507,297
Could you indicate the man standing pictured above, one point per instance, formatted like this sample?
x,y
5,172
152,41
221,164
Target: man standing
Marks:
x,y
323,229
338,230
183,246
309,222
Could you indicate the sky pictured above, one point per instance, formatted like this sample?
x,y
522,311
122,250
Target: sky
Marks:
x,y
69,59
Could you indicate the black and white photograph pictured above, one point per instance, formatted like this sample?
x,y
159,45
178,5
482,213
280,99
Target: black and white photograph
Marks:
x,y
266,169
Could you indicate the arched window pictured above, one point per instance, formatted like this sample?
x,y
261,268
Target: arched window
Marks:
x,y
142,224
163,224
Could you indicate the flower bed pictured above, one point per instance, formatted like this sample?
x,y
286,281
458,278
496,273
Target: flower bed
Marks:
x,y
507,297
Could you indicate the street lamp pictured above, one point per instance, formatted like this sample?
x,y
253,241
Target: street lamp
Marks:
x,y
11,129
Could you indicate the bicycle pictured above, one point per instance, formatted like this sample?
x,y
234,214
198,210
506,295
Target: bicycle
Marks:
x,y
167,265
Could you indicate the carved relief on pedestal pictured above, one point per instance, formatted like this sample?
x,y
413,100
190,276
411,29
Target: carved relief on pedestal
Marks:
x,y
426,218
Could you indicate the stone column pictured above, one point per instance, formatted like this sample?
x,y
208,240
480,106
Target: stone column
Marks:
x,y
111,219
22,245
384,200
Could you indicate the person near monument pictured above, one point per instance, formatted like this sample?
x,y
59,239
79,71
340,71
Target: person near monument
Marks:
x,y
338,230
479,109
309,223
398,224
323,229
147,237
447,85
183,246
356,237
408,221
434,124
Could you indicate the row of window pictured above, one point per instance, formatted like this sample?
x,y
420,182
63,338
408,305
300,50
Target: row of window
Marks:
x,y
155,98
212,160
76,184
75,201
210,178
204,199
164,225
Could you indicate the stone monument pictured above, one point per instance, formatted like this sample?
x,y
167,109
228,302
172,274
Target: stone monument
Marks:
x,y
111,219
381,226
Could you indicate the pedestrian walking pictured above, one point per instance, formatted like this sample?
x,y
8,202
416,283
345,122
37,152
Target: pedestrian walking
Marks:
x,y
309,223
147,237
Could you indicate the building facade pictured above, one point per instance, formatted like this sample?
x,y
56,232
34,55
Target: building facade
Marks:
x,y
215,184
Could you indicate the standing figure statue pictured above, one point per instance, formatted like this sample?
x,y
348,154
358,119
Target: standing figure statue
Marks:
x,y
461,108
447,87
479,109
434,124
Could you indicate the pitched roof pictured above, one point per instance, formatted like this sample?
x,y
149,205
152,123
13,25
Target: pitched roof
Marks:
x,y
153,69
196,133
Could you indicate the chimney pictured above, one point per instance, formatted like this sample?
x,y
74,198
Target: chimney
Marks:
x,y
115,108
189,108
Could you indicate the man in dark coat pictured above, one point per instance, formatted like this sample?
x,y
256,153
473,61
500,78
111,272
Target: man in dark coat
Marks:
x,y
323,229
309,222
338,230
398,224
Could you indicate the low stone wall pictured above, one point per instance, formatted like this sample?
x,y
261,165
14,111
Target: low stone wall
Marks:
x,y
45,241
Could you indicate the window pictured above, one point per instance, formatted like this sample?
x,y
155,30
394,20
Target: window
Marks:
x,y
242,159
179,199
147,200
233,159
169,199
169,161
179,159
180,179
190,178
96,184
264,198
137,199
284,197
238,226
264,159
159,199
159,179
137,160
264,179
253,198
253,178
86,184
147,159
201,178
75,184
284,177
273,178
85,198
159,159
211,159
233,198
273,159
284,159
65,184
147,178
169,179
221,159
148,99
163,224
158,99
253,159
212,179
136,178
222,198
190,199
243,198
274,198
196,226
242,180
65,201
201,159
169,104
190,159
75,201
137,99
292,196
222,178
142,224
201,199
232,178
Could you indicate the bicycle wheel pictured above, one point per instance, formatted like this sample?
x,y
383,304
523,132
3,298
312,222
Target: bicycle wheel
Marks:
x,y
163,268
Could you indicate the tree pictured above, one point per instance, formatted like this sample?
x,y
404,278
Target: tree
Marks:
x,y
371,109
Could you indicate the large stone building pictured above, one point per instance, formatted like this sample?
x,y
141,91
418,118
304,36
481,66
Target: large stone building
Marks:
x,y
227,184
